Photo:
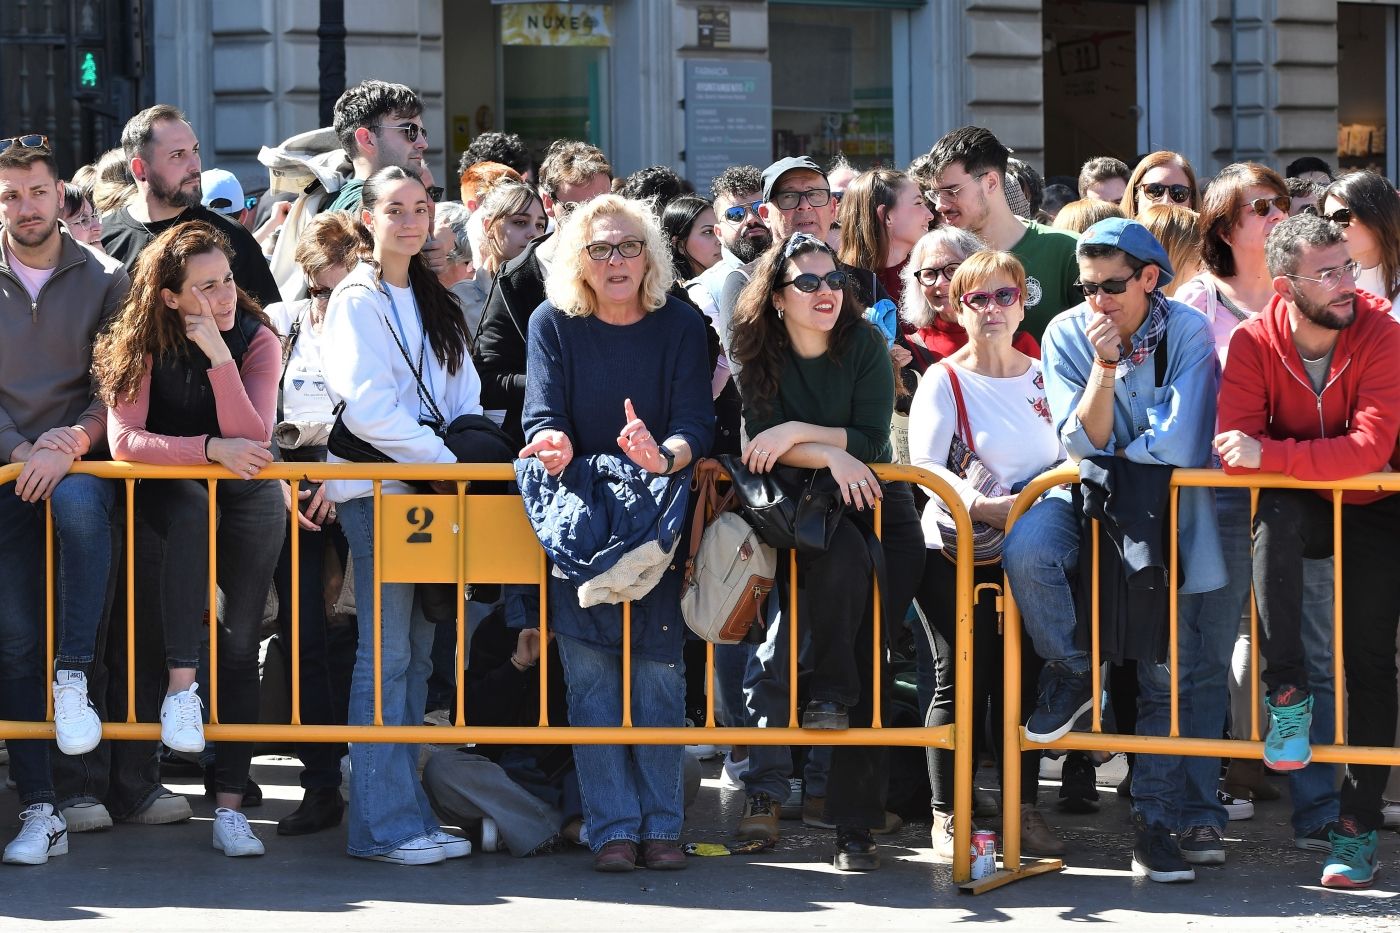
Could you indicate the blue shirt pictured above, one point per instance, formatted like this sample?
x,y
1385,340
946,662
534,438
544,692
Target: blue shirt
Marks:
x,y
1171,425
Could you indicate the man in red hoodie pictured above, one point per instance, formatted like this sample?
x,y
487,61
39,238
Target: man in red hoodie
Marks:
x,y
1311,389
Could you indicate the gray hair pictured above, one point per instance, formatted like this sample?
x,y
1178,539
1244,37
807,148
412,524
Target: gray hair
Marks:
x,y
456,215
1285,241
913,306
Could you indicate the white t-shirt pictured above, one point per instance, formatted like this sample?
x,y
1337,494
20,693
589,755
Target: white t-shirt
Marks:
x,y
33,279
304,395
1371,280
1012,431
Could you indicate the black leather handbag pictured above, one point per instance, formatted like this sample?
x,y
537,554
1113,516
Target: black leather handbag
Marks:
x,y
788,507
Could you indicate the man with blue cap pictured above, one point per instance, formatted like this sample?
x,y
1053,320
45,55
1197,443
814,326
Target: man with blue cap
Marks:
x,y
1130,373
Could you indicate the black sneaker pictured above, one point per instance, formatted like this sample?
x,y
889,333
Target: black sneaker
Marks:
x,y
1156,855
1077,791
1202,845
855,850
1318,840
1065,696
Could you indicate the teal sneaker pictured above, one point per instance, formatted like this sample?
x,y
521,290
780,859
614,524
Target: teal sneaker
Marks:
x,y
1286,746
1352,863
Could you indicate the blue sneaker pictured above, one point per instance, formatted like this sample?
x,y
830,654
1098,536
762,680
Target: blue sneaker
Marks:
x,y
1286,746
1065,697
1352,863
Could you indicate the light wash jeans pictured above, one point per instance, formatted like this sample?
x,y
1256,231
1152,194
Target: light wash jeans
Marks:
x,y
629,792
387,804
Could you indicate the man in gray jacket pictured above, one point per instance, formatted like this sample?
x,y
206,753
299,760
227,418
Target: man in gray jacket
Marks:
x,y
55,295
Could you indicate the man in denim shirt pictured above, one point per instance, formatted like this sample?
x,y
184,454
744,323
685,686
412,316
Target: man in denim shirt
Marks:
x,y
1101,383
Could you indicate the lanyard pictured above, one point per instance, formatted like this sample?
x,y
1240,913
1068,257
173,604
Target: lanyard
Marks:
x,y
424,398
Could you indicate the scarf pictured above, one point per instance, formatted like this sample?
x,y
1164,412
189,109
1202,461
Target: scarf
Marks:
x,y
1157,310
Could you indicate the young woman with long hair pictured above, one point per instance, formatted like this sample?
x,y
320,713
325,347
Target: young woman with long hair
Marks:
x,y
882,216
688,223
1368,210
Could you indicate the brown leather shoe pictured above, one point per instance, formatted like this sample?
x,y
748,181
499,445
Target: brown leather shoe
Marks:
x,y
618,855
759,821
1037,838
662,855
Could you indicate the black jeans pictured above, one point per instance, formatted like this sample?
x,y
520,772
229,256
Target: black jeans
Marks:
x,y
834,603
324,699
938,598
252,524
1292,524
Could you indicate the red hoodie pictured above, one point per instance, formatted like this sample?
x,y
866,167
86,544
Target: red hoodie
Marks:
x,y
1348,429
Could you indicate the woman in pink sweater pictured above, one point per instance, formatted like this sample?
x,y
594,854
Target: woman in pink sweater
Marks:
x,y
189,369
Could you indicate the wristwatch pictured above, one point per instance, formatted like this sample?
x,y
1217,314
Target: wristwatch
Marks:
x,y
669,457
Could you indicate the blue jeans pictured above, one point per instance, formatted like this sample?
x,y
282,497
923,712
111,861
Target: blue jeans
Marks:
x,y
82,511
1313,790
387,804
629,792
1041,559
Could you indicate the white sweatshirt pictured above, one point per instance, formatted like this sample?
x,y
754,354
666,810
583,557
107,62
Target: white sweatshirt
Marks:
x,y
1011,431
365,369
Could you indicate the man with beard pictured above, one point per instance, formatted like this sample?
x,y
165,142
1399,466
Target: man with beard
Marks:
x,y
56,294
1311,390
163,155
743,236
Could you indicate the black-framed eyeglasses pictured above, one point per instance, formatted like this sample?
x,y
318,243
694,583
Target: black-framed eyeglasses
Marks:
x,y
809,281
981,301
1179,194
1332,278
603,252
1341,217
29,141
411,130
316,293
815,197
930,275
1262,206
951,192
1107,286
736,213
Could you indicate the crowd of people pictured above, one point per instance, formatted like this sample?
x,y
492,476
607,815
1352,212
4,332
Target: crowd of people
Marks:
x,y
607,333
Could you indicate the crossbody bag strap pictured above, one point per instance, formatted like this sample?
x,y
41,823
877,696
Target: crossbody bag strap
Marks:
x,y
964,428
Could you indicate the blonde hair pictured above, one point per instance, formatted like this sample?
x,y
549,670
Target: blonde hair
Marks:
x,y
1178,229
1078,216
568,288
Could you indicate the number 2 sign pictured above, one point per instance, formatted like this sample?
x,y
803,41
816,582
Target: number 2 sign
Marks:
x,y
419,538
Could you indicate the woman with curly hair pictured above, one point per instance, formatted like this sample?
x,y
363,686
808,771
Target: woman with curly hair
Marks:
x,y
189,369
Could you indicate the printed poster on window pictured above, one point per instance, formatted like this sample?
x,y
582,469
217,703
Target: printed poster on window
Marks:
x,y
557,24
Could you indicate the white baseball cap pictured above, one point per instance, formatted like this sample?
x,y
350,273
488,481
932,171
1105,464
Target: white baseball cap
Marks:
x,y
223,193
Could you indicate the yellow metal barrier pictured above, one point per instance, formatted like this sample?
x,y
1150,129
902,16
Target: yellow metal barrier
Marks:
x,y
1173,743
463,537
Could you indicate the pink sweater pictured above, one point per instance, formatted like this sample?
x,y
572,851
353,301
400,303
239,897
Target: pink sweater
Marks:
x,y
246,401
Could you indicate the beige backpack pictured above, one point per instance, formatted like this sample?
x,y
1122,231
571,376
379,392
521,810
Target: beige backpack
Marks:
x,y
730,571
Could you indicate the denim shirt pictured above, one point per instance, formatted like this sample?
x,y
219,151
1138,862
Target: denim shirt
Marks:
x,y
1173,425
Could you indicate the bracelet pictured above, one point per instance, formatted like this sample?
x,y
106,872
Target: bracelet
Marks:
x,y
1106,364
519,665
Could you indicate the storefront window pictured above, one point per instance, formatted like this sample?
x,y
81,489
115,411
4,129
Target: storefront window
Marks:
x,y
1365,69
832,83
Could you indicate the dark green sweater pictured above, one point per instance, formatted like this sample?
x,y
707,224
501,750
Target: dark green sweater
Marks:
x,y
855,392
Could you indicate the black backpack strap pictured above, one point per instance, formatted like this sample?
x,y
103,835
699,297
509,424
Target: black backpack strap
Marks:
x,y
1159,359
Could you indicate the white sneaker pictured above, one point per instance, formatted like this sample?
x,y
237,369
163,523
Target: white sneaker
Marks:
x,y
42,833
1390,814
233,835
420,851
455,846
86,816
181,726
731,776
75,723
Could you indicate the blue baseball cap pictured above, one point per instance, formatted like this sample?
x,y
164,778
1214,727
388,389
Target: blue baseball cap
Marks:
x,y
1132,238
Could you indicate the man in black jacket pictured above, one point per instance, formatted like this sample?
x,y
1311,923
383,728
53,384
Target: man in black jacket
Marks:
x,y
573,172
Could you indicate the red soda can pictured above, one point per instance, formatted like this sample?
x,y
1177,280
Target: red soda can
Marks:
x,y
984,853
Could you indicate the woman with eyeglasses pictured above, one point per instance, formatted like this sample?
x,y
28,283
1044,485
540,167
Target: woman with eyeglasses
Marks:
x,y
616,367
1161,177
1368,210
329,247
1241,207
995,393
818,390
81,217
926,306
394,352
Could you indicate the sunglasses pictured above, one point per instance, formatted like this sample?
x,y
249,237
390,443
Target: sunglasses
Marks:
x,y
981,301
411,130
1262,206
736,213
1341,216
1107,286
602,252
788,200
318,294
1180,194
929,276
31,141
810,281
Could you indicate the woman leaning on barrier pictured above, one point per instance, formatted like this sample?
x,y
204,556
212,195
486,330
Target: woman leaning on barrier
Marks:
x,y
818,390
394,355
327,250
996,392
614,363
189,370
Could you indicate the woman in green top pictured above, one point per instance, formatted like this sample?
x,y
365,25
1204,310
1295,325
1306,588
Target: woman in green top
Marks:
x,y
818,391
